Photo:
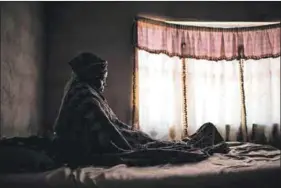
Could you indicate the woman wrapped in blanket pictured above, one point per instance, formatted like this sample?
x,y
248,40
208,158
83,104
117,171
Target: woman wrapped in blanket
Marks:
x,y
88,132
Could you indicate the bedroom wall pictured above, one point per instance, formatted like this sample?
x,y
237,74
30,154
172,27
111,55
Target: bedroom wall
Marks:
x,y
105,29
22,61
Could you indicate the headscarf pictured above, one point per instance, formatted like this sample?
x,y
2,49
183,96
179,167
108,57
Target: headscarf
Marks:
x,y
88,66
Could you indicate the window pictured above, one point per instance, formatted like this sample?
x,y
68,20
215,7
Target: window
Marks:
x,y
213,92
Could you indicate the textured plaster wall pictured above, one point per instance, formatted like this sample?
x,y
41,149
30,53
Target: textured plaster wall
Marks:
x,y
22,62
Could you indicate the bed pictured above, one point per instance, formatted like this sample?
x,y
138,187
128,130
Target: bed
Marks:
x,y
246,165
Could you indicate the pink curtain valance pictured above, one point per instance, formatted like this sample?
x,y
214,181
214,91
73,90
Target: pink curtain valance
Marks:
x,y
206,42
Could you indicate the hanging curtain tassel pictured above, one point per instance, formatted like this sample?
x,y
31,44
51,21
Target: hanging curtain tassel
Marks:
x,y
242,92
184,85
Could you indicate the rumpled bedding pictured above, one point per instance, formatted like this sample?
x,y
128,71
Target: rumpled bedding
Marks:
x,y
87,132
35,154
245,165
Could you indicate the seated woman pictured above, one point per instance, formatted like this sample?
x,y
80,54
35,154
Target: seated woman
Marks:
x,y
88,132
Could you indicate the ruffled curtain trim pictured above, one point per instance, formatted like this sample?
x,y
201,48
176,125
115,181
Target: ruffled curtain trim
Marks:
x,y
207,42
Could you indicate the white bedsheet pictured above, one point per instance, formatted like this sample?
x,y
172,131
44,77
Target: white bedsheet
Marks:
x,y
255,161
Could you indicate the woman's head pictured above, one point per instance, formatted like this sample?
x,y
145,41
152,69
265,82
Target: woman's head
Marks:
x,y
91,69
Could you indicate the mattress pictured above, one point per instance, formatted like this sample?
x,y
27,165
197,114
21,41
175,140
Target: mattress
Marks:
x,y
246,165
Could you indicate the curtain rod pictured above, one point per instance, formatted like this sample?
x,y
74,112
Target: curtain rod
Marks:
x,y
225,23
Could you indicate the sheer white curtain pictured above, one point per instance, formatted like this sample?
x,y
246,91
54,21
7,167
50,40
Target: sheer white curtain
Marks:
x,y
160,94
262,91
213,94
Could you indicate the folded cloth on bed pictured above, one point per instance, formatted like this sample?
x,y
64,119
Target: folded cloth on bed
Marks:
x,y
17,159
